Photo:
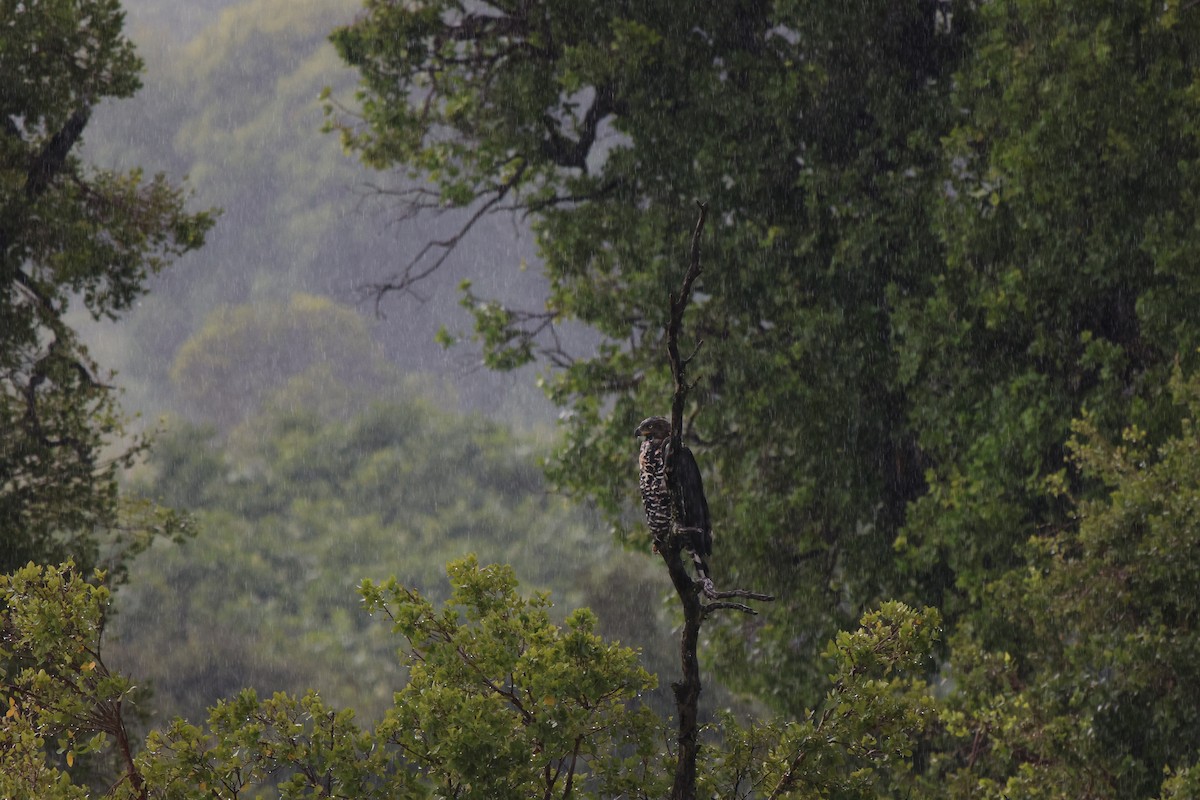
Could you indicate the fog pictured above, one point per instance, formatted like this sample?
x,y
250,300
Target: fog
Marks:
x,y
231,102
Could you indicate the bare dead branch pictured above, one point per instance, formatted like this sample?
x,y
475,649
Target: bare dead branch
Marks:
x,y
414,272
708,608
679,304
722,603
695,352
687,689
766,598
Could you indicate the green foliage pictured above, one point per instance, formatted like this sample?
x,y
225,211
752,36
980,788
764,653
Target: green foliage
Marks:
x,y
1181,784
1064,285
294,511
500,702
299,744
820,159
939,235
68,234
1104,696
56,694
860,743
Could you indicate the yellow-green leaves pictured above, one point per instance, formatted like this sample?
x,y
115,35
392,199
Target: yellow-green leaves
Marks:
x,y
53,685
503,703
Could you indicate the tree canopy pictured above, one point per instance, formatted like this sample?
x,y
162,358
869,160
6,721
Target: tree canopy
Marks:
x,y
941,232
821,161
308,354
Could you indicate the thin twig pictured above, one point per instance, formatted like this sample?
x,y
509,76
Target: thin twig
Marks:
x,y
412,275
708,608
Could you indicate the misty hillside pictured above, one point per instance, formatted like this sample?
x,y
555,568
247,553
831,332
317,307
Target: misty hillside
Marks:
x,y
231,101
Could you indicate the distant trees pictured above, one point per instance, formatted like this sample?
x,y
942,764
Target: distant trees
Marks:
x,y
68,234
296,510
308,353
236,108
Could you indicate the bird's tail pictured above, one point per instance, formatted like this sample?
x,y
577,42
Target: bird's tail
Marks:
x,y
702,571
698,542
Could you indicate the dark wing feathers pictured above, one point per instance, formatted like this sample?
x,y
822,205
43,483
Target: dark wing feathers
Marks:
x,y
695,505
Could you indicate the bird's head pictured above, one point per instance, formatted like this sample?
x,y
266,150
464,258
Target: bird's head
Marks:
x,y
654,428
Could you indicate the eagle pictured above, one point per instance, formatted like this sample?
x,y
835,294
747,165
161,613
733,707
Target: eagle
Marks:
x,y
656,496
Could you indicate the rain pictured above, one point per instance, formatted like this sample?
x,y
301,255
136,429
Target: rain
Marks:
x,y
486,399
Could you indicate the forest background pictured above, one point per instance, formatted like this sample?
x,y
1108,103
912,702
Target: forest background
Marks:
x,y
949,347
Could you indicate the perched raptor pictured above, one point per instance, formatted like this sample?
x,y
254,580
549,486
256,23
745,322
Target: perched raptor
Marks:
x,y
656,497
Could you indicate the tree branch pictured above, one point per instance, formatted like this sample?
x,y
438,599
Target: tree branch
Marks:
x,y
789,777
687,689
132,773
413,273
573,153
708,608
48,163
679,304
